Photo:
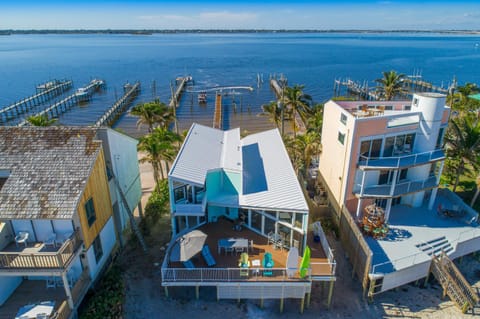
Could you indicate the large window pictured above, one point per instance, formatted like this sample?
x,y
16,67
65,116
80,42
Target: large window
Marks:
x,y
90,211
179,194
97,248
370,148
440,138
398,145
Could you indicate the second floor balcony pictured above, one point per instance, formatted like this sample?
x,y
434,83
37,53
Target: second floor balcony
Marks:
x,y
49,255
394,190
402,161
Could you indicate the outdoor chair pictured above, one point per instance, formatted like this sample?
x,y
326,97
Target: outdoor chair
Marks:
x,y
51,240
267,263
21,238
244,264
188,264
51,282
208,256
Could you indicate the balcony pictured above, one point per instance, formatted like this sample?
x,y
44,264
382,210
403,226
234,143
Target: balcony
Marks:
x,y
36,256
401,188
403,161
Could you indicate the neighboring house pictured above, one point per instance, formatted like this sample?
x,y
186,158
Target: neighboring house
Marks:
x,y
244,188
388,154
57,225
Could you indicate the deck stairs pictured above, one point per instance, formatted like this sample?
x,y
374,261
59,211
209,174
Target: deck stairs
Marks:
x,y
453,283
435,246
133,223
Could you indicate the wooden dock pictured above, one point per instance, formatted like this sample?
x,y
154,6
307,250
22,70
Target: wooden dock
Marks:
x,y
278,93
181,83
355,88
114,112
55,110
45,92
217,115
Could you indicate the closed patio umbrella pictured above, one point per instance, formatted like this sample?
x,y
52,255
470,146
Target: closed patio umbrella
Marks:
x,y
188,245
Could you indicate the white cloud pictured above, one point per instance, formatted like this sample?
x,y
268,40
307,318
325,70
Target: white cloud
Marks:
x,y
228,16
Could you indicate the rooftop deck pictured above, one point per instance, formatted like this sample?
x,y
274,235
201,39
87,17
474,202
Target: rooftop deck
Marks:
x,y
38,255
416,233
226,268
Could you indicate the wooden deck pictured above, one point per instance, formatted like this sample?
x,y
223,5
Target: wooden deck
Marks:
x,y
227,268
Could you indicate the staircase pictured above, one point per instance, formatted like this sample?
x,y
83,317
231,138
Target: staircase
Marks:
x,y
435,246
133,223
453,283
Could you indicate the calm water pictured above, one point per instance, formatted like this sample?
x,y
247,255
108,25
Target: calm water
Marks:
x,y
220,59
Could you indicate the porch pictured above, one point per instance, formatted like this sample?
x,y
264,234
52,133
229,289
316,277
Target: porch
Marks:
x,y
35,291
39,255
227,270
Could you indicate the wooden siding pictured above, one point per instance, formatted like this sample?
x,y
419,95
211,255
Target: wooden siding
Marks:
x,y
97,188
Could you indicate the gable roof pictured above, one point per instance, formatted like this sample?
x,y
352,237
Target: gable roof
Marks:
x,y
268,178
47,168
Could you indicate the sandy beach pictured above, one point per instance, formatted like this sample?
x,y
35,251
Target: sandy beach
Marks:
x,y
145,297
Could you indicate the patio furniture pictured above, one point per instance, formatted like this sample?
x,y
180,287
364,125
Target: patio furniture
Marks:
x,y
250,245
256,263
51,240
207,255
188,264
275,239
51,282
233,244
188,245
267,263
244,264
21,238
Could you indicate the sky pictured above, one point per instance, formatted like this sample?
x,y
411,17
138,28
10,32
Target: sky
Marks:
x,y
246,14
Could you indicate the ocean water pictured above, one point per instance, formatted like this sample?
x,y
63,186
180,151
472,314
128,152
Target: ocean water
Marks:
x,y
314,59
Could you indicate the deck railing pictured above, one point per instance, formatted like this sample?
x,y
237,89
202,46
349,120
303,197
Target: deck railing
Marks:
x,y
401,188
401,161
63,311
42,260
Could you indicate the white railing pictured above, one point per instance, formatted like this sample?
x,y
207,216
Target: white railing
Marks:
x,y
402,161
189,210
318,230
401,188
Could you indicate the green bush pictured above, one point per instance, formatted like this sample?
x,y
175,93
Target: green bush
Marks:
x,y
157,205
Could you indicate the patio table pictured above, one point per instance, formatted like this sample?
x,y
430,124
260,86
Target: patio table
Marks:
x,y
232,243
31,311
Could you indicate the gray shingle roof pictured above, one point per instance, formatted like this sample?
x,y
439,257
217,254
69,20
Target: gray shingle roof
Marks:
x,y
47,168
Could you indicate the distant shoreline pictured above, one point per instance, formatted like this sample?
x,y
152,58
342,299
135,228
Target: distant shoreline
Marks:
x,y
236,31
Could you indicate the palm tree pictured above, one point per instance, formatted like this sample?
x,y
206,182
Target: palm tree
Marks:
x,y
299,103
463,144
40,120
274,111
152,114
390,85
315,121
160,145
308,145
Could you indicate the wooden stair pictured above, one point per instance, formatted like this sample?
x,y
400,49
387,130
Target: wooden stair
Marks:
x,y
453,283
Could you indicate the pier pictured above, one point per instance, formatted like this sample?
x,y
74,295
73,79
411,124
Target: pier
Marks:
x,y
114,112
217,115
85,93
45,92
181,82
355,88
278,93
60,107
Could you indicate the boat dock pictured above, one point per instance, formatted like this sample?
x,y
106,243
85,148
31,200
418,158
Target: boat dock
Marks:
x,y
45,92
181,83
55,110
85,93
278,93
217,115
355,88
114,112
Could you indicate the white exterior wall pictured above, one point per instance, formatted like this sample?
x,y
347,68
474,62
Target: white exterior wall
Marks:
x,y
405,276
8,286
335,158
108,239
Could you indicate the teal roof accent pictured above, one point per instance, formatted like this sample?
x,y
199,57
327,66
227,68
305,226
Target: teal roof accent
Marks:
x,y
475,96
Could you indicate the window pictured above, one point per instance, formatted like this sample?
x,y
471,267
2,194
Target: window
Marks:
x,y
440,138
341,137
407,107
370,148
343,118
90,212
97,248
399,145
179,194
415,102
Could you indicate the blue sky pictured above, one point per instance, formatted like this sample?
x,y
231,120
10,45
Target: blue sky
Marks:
x,y
246,14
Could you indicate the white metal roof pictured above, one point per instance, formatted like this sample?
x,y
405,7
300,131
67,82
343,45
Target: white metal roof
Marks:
x,y
268,178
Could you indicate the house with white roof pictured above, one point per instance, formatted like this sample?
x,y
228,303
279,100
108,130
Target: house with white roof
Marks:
x,y
232,187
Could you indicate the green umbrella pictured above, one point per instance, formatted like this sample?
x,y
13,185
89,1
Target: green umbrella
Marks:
x,y
305,264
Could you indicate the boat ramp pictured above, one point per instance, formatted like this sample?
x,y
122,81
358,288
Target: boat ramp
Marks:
x,y
45,92
114,112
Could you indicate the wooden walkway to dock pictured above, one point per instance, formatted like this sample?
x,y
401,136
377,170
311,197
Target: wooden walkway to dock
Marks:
x,y
55,110
114,112
45,92
217,115
180,88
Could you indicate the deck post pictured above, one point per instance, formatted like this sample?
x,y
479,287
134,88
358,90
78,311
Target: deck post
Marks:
x,y
425,284
166,291
68,292
308,299
197,292
261,303
281,305
302,304
330,294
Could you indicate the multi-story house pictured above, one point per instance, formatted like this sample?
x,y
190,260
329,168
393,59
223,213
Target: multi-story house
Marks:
x,y
58,229
244,196
388,156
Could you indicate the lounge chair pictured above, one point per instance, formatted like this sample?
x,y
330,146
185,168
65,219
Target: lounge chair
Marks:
x,y
244,264
208,256
188,264
267,263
